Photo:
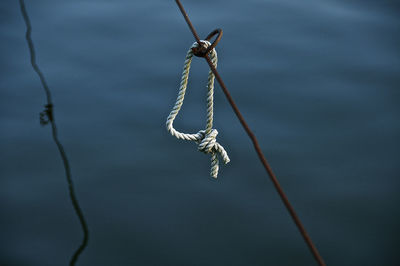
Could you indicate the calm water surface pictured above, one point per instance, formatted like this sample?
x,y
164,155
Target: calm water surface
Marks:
x,y
318,81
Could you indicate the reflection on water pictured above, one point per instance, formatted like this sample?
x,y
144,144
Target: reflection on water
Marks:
x,y
47,116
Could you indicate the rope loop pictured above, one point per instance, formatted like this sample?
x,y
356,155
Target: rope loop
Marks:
x,y
206,139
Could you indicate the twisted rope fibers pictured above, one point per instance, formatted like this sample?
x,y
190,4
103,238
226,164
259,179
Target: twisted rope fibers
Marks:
x,y
206,139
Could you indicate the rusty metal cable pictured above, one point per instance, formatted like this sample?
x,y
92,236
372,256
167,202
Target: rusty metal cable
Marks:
x,y
284,198
47,116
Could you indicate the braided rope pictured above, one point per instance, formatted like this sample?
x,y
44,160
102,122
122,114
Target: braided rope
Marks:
x,y
206,139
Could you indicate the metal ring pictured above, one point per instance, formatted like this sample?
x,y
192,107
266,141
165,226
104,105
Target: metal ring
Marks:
x,y
200,50
216,41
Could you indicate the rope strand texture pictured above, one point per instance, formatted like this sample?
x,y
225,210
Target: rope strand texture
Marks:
x,y
206,139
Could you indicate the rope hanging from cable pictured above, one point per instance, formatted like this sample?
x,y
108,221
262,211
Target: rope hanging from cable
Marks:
x,y
206,139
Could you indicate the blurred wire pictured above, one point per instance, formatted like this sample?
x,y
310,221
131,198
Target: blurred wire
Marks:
x,y
47,116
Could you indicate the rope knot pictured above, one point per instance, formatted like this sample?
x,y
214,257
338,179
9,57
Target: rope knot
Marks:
x,y
209,141
208,144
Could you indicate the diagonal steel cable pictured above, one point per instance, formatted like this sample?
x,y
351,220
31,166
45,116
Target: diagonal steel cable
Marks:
x,y
260,154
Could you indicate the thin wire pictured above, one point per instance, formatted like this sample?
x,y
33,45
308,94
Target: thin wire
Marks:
x,y
50,115
260,154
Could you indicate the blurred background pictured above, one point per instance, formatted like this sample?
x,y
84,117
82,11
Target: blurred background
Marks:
x,y
317,81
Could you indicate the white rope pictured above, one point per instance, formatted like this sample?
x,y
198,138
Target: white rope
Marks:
x,y
205,138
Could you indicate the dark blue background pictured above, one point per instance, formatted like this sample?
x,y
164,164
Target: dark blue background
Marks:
x,y
318,81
